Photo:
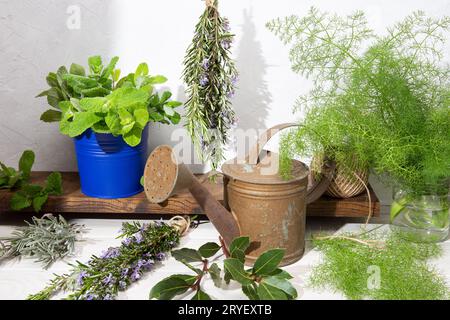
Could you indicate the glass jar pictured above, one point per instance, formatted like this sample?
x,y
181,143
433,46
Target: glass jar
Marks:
x,y
420,218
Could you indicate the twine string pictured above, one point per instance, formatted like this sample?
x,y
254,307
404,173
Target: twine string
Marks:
x,y
369,197
182,224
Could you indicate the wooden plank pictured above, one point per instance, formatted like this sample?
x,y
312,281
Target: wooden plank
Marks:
x,y
73,201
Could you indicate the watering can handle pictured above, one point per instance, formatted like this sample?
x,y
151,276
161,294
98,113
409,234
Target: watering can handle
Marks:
x,y
315,188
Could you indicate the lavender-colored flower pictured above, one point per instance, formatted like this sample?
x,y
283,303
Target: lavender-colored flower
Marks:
x,y
81,276
160,256
226,25
144,227
205,64
231,94
234,79
135,276
159,223
122,285
138,238
147,265
110,253
226,44
108,297
125,272
108,280
90,296
127,241
204,80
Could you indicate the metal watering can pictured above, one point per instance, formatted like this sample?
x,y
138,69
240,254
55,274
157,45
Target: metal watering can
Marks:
x,y
258,203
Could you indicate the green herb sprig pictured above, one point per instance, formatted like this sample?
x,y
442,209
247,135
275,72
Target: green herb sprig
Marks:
x,y
404,271
210,75
45,239
265,281
26,194
383,100
106,103
104,276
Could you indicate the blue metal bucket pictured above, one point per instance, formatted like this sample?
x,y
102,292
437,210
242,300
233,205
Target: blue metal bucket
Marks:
x,y
108,167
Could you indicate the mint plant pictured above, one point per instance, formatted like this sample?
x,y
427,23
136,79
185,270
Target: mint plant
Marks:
x,y
26,194
264,281
106,104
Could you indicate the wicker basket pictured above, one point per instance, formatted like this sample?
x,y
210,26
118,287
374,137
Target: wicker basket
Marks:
x,y
345,184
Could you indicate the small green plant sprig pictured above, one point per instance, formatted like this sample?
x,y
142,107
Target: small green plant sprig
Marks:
x,y
404,271
26,194
45,239
104,276
106,104
383,100
265,281
210,75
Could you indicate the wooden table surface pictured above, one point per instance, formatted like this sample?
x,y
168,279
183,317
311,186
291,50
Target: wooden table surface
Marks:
x,y
73,201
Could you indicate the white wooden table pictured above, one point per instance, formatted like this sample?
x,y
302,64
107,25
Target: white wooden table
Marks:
x,y
19,278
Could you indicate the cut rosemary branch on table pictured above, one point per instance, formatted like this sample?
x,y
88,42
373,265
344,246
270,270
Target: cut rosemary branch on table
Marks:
x,y
45,239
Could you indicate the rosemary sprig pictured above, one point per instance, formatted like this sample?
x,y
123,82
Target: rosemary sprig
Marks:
x,y
104,276
210,75
46,239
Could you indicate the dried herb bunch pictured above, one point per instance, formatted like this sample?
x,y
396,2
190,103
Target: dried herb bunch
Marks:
x,y
45,239
383,99
101,278
403,268
210,76
264,281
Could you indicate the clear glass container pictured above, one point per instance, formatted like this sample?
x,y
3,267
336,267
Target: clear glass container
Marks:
x,y
423,218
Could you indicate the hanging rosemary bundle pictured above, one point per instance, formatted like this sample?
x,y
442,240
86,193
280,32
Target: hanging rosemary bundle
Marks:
x,y
46,239
210,76
101,278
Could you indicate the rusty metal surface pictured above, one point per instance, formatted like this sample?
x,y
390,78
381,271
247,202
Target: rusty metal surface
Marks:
x,y
164,176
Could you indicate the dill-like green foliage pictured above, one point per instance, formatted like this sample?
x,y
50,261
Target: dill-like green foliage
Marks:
x,y
405,273
384,100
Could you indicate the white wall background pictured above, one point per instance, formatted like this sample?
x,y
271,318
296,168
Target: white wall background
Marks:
x,y
35,39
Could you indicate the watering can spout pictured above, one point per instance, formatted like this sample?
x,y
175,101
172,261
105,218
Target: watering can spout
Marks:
x,y
165,176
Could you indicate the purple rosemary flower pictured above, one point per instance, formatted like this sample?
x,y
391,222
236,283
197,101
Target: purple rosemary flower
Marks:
x,y
231,94
108,297
109,279
226,25
204,80
138,238
135,276
127,241
160,256
110,253
90,296
147,265
234,79
226,44
205,64
122,285
124,273
159,223
144,227
81,276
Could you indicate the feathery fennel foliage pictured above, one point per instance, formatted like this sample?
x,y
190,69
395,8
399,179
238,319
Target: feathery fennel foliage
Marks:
x,y
381,99
404,271
210,76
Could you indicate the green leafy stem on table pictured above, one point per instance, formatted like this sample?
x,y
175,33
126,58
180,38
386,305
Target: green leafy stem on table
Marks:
x,y
264,281
25,193
106,104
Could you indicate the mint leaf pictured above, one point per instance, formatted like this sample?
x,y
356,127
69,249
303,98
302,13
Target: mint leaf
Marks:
x,y
77,70
209,249
19,201
26,163
268,262
39,201
53,185
141,116
133,138
51,116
